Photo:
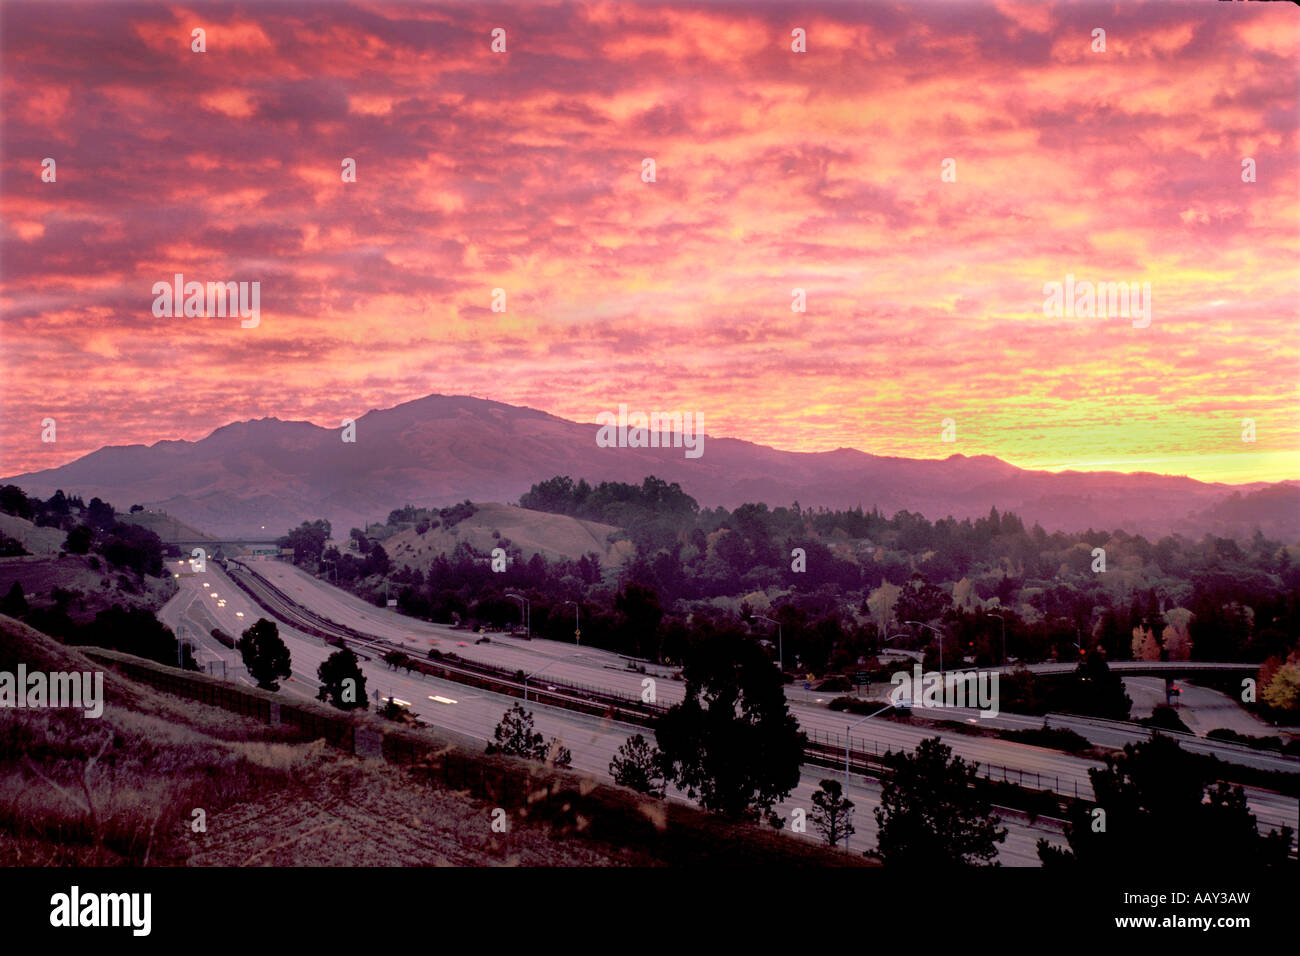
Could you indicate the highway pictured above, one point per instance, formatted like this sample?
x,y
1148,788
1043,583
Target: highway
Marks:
x,y
475,713
594,741
597,668
1115,733
1050,769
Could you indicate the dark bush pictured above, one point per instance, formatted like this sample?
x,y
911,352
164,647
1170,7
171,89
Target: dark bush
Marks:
x,y
1057,738
1165,717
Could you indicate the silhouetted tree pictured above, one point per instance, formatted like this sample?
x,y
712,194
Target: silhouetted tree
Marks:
x,y
265,654
1150,797
307,540
933,814
15,602
642,614
132,630
342,682
515,736
636,765
1095,691
832,812
921,601
79,539
732,742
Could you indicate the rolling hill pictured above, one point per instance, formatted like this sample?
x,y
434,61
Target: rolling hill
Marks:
x,y
532,532
441,449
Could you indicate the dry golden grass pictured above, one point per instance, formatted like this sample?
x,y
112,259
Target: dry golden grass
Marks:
x,y
121,790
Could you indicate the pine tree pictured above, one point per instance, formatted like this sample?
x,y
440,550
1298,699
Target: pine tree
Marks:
x,y
832,812
515,736
933,813
636,765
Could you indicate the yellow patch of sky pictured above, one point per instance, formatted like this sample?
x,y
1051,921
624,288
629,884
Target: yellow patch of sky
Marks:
x,y
1240,468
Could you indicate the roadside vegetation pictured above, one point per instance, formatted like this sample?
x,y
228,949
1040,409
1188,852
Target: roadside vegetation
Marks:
x,y
839,587
1157,804
102,589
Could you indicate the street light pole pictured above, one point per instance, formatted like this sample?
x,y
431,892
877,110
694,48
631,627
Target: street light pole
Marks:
x,y
534,674
780,653
848,730
938,634
525,612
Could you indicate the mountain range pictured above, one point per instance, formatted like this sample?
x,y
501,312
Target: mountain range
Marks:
x,y
260,477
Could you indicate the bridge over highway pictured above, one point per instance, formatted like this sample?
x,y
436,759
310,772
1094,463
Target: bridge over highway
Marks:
x,y
211,543
1147,668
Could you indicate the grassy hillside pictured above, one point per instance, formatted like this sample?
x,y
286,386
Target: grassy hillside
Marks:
x,y
532,532
35,540
82,585
121,790
165,526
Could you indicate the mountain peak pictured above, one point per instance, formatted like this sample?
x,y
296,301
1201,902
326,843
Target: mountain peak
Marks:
x,y
440,449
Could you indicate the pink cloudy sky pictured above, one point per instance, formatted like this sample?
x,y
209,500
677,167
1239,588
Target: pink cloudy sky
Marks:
x,y
775,170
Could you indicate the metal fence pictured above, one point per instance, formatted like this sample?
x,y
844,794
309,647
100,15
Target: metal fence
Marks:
x,y
868,756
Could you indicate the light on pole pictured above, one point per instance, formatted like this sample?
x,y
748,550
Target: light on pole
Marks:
x,y
780,653
1004,635
525,611
534,674
937,633
848,731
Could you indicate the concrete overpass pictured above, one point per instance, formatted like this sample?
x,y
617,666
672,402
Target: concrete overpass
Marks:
x,y
212,543
1168,669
